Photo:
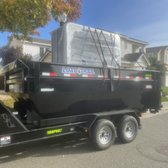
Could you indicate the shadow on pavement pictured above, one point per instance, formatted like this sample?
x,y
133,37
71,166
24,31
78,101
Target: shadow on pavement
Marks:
x,y
60,146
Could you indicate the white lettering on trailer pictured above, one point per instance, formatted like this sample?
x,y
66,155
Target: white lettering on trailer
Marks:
x,y
47,89
15,113
148,87
77,70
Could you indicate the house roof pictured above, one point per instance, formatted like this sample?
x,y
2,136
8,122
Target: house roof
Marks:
x,y
155,49
132,57
37,40
128,38
14,42
133,39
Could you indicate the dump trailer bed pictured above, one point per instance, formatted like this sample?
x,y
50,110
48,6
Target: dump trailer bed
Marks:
x,y
53,90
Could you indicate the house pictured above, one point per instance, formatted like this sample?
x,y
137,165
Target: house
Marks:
x,y
133,52
131,45
136,60
35,47
47,57
160,53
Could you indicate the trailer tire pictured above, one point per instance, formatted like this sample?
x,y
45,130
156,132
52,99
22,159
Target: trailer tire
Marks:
x,y
127,129
103,134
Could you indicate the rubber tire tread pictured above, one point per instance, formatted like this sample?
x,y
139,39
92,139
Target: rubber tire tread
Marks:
x,y
95,132
120,128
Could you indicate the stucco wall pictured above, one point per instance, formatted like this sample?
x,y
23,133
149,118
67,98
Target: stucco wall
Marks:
x,y
33,50
128,47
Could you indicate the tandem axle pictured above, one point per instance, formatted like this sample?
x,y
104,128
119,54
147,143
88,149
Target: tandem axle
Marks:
x,y
101,128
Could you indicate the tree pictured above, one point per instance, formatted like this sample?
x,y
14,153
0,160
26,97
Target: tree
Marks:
x,y
23,17
157,65
72,8
9,54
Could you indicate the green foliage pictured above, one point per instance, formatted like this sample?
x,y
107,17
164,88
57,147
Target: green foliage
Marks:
x,y
164,97
71,7
23,17
164,91
157,65
6,99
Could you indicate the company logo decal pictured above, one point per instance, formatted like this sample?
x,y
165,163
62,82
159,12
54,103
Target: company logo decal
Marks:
x,y
79,71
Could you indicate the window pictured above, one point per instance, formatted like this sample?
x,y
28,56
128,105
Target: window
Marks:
x,y
42,51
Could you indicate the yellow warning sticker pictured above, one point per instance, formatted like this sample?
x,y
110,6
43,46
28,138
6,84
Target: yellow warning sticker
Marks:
x,y
54,131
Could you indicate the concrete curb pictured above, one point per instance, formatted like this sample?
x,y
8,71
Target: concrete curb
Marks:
x,y
165,105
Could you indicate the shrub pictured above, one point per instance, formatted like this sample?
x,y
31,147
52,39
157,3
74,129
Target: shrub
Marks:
x,y
164,94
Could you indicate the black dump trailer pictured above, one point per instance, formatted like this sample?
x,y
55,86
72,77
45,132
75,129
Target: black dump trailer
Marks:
x,y
59,99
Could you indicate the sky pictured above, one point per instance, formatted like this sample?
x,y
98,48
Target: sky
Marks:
x,y
146,20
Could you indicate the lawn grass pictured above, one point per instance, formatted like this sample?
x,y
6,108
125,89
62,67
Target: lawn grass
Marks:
x,y
164,97
6,99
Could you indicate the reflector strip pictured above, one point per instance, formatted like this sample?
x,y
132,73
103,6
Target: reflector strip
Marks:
x,y
85,76
116,77
70,75
127,77
53,74
49,74
100,76
138,78
67,75
73,75
45,74
135,78
90,76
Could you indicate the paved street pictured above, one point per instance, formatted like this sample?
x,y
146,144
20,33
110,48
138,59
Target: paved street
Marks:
x,y
149,150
